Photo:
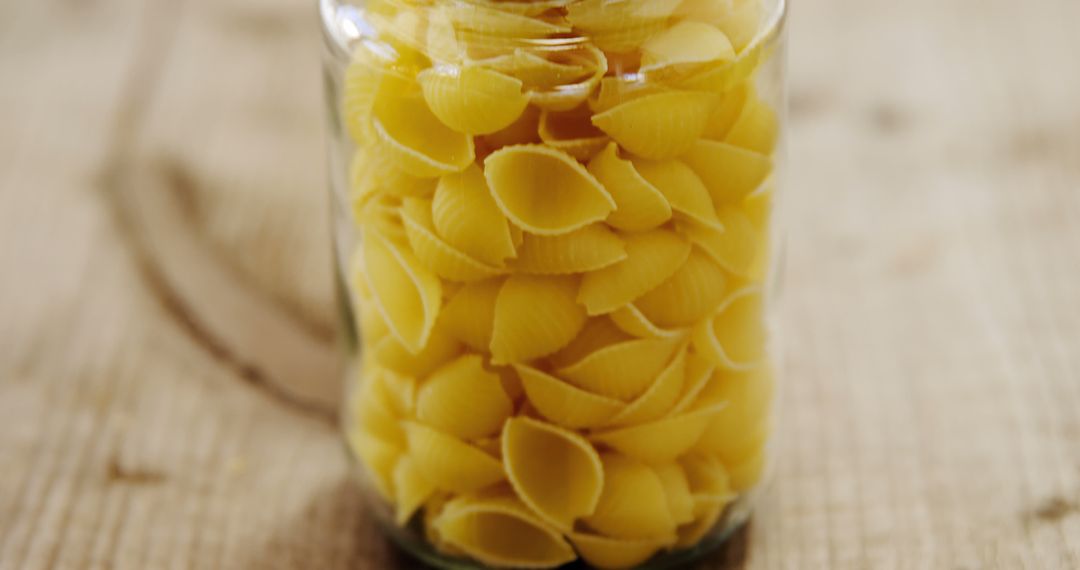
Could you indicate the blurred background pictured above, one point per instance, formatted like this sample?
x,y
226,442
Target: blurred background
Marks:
x,y
167,383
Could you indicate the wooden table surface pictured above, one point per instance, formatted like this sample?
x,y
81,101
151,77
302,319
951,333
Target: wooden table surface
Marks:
x,y
167,385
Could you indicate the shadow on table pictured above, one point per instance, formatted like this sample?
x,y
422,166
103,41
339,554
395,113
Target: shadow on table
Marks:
x,y
333,532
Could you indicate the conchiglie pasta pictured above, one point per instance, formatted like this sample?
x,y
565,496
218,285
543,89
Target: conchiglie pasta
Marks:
x,y
534,317
618,89
658,398
652,257
414,138
407,295
467,217
747,473
489,23
621,371
661,440
640,205
615,553
361,84
633,322
730,173
618,27
756,129
449,463
688,296
568,96
728,111
707,477
633,504
742,426
524,130
659,126
677,491
538,71
463,399
502,532
736,247
735,338
706,516
435,254
545,191
440,348
532,451
572,133
588,249
565,404
472,99
470,314
686,193
597,333
686,42
699,373
379,458
411,489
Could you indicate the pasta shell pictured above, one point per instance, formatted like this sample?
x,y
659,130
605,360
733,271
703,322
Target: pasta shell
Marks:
x,y
470,314
640,205
440,348
621,371
735,338
741,22
618,27
706,516
378,458
686,42
449,463
621,88
729,172
534,317
723,77
633,504
659,126
501,532
407,295
699,372
588,249
614,553
659,441
467,217
510,382
652,257
361,83
631,321
411,490
545,191
524,130
565,404
707,477
568,96
742,427
756,129
472,99
417,142
736,247
537,71
748,473
433,509
464,400
596,334
572,133
443,44
677,491
532,451
728,111
688,296
374,171
438,256
492,22
758,207
399,391
658,398
374,415
683,189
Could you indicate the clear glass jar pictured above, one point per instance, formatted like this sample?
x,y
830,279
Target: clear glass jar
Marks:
x,y
555,233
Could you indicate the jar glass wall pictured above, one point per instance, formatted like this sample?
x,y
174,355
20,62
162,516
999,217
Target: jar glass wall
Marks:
x,y
555,224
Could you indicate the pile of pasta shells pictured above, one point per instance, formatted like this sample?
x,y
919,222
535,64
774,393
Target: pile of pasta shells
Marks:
x,y
561,212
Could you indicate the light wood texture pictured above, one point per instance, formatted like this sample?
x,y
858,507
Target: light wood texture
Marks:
x,y
166,362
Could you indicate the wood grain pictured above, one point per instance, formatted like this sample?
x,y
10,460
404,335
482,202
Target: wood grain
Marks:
x,y
166,366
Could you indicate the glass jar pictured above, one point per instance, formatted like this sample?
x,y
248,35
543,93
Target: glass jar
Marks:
x,y
554,223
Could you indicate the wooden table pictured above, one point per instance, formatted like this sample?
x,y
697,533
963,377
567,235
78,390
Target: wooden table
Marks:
x,y
166,363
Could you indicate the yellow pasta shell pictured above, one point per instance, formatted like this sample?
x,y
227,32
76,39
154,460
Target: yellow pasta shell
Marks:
x,y
415,139
502,532
630,320
472,99
662,440
373,415
567,96
633,504
449,463
470,314
490,23
736,247
524,130
699,372
538,71
588,249
677,491
433,509
378,457
730,173
463,399
411,490
728,111
614,553
572,132
360,85
658,398
706,515
617,89
735,338
618,27
686,193
652,257
545,191
756,129
440,348
688,296
660,126
743,426
397,390
565,404
621,371
686,42
532,450
438,256
640,205
707,477
749,472
597,333
407,295
534,317
467,217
